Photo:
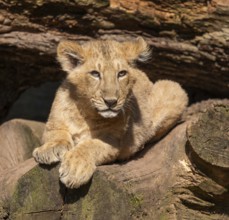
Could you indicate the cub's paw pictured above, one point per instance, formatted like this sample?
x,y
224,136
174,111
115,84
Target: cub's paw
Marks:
x,y
76,169
51,152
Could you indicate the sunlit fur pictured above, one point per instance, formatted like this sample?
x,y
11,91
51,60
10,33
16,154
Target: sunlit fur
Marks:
x,y
83,130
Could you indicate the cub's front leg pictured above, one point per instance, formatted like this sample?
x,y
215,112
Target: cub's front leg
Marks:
x,y
56,144
79,164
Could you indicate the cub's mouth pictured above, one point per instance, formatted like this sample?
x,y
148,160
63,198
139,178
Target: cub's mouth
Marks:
x,y
108,113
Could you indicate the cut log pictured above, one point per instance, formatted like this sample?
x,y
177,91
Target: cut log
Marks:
x,y
209,139
190,39
165,181
208,143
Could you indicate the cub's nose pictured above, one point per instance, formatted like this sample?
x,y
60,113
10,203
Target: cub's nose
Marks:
x,y
110,102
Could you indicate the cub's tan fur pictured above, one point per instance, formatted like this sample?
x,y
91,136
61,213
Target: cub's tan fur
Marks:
x,y
106,109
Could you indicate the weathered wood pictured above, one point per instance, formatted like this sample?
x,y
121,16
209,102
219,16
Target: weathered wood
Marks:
x,y
18,138
165,181
190,39
10,177
37,196
209,138
208,144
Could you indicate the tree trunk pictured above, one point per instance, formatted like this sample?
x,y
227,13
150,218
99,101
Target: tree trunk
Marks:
x,y
183,176
190,39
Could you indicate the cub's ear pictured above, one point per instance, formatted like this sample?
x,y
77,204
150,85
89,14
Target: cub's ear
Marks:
x,y
137,50
70,55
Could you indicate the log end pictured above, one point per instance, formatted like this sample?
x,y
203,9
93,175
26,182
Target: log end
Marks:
x,y
209,136
208,143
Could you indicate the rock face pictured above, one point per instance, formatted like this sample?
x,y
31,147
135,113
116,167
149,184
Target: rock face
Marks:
x,y
171,179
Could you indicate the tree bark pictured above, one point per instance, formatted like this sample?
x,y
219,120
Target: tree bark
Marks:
x,y
179,177
190,39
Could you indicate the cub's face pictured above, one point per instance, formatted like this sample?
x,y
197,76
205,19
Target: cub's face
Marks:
x,y
102,72
107,83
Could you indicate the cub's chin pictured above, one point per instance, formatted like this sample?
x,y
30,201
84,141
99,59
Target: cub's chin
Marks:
x,y
108,113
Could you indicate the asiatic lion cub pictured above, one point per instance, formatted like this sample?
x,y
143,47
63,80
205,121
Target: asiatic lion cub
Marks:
x,y
106,109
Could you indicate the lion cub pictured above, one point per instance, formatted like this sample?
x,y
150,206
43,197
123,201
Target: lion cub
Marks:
x,y
106,109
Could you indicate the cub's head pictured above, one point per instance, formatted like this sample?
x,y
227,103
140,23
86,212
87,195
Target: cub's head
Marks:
x,y
102,72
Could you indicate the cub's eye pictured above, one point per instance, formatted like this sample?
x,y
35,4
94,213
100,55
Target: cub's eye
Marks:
x,y
122,73
95,74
